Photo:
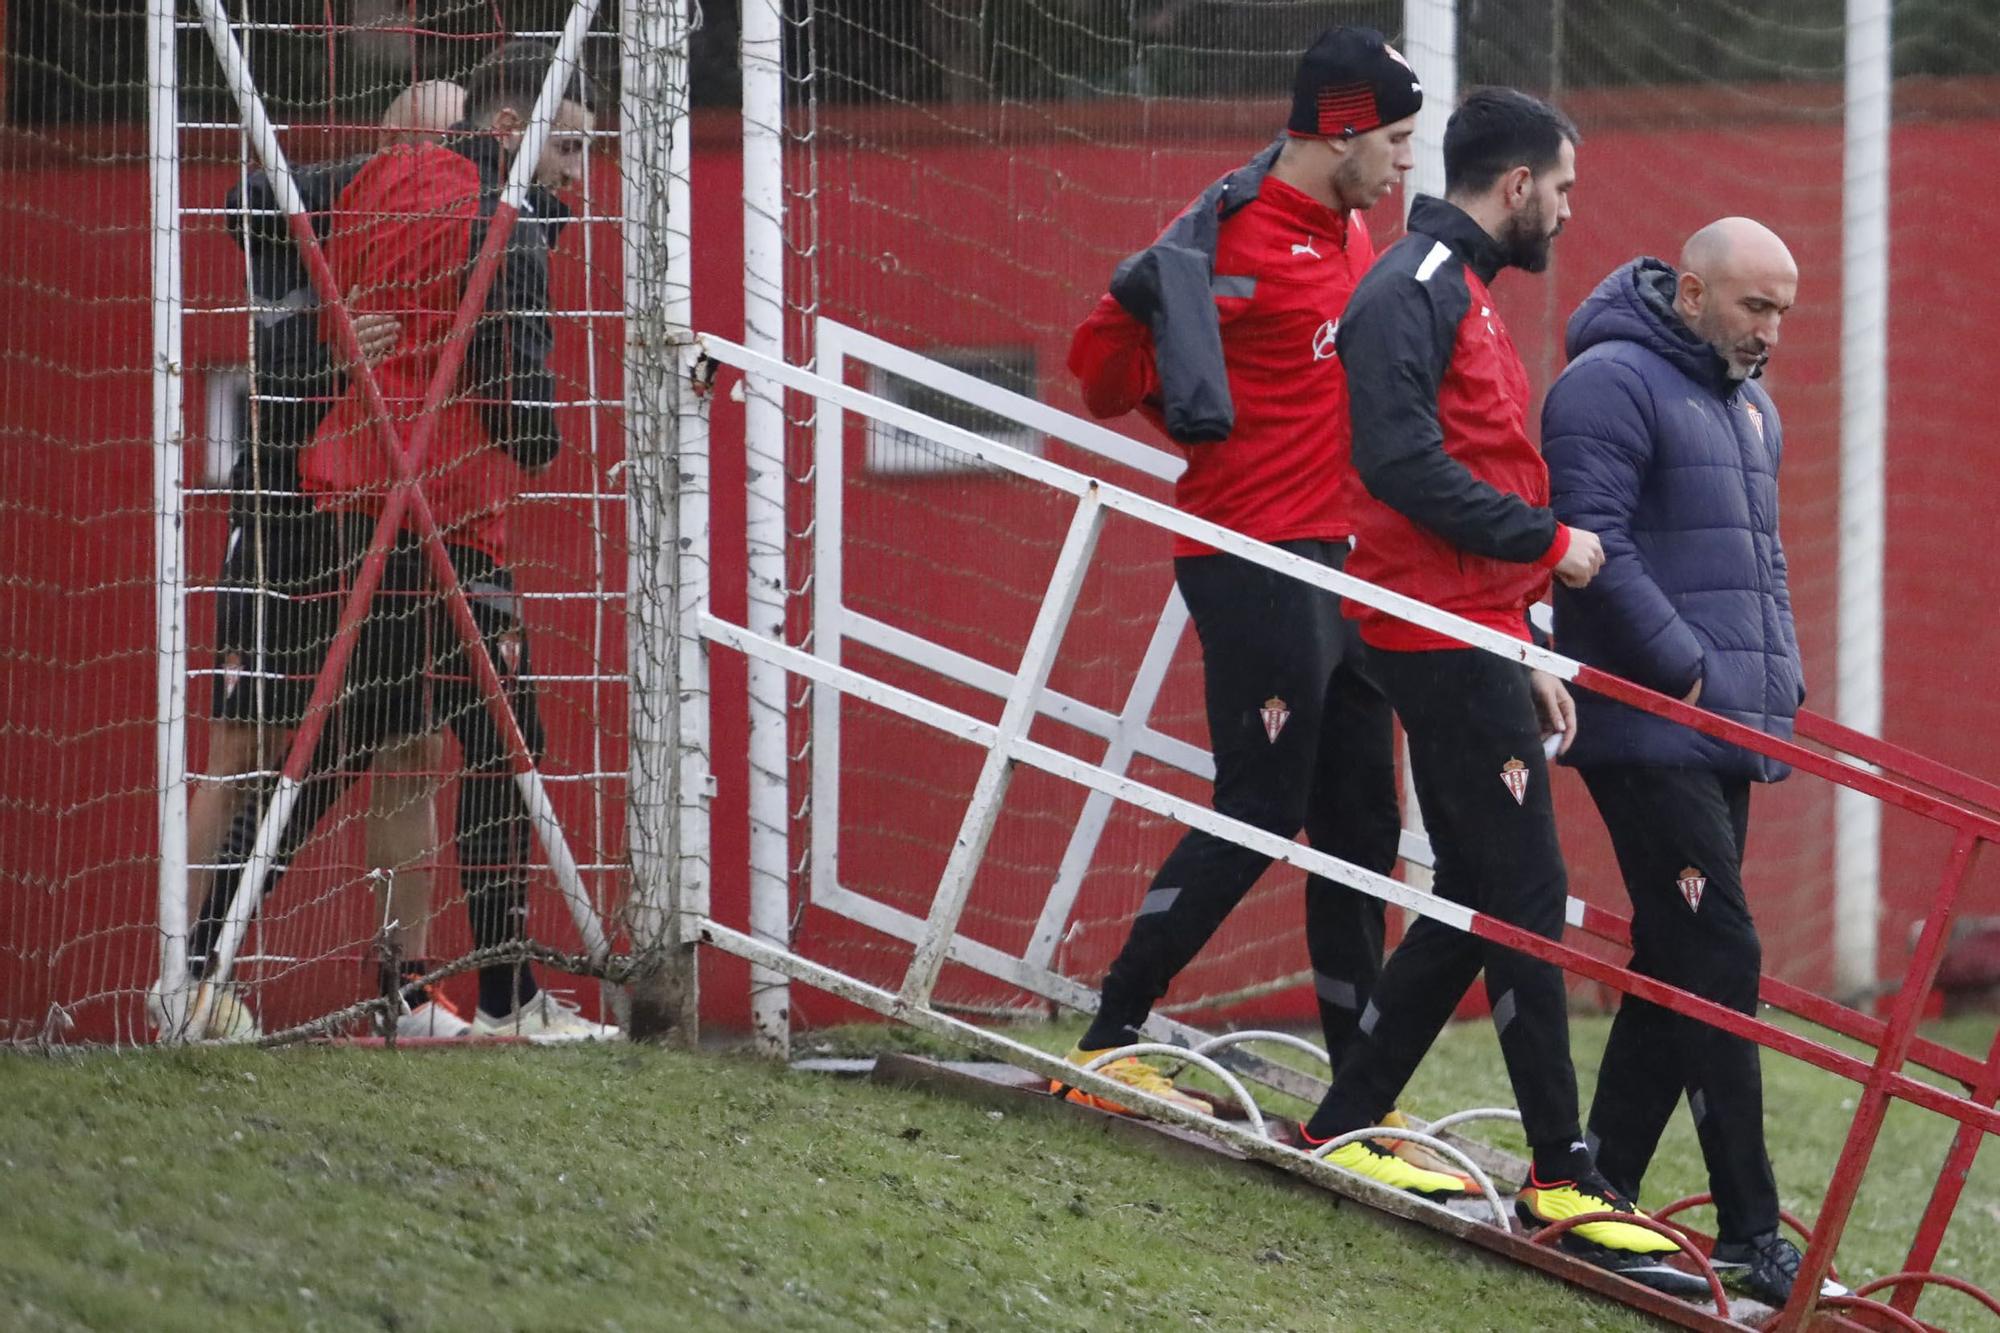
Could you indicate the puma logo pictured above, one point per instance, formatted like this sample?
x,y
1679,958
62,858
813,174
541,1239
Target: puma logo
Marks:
x,y
1306,249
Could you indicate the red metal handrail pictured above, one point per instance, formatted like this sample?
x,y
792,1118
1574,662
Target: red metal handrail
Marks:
x,y
1913,1280
1958,785
1609,926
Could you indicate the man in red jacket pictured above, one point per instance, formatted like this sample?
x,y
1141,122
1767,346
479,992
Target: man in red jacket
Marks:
x,y
1221,335
1457,515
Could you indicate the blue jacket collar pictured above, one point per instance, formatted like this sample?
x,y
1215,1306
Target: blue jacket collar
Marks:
x,y
1635,304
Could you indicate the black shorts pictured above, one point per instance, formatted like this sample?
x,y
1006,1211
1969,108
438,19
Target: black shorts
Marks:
x,y
387,689
275,613
409,673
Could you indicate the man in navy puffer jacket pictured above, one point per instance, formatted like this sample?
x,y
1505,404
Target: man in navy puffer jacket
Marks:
x,y
1660,440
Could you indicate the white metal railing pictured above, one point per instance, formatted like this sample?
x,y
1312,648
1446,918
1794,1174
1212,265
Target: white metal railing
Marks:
x,y
935,936
1127,733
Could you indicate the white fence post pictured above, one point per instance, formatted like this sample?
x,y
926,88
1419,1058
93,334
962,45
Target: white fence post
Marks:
x,y
828,612
1430,39
1023,703
1118,752
169,541
764,434
1864,391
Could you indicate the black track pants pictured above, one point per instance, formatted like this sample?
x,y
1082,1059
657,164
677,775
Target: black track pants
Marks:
x,y
1476,757
1679,834
1303,739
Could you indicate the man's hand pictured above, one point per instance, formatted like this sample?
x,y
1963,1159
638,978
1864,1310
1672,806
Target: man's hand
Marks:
x,y
1693,696
1582,560
1554,708
377,333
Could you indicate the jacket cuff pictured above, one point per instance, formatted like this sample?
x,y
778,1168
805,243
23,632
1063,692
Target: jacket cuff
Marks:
x,y
1557,549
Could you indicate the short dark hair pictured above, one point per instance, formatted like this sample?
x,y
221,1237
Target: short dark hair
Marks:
x,y
1497,129
512,74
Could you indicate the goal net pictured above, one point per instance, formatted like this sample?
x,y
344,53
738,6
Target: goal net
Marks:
x,y
160,563
959,180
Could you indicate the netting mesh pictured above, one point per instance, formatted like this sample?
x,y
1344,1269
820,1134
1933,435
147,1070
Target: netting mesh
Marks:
x,y
367,101
977,171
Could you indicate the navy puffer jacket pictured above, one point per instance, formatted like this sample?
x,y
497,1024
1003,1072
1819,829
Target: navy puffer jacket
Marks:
x,y
1652,447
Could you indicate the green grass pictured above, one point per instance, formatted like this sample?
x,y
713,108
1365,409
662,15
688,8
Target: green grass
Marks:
x,y
641,1189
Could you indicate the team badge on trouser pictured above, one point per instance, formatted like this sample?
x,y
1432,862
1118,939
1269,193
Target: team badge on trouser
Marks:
x,y
1693,883
1515,774
1275,716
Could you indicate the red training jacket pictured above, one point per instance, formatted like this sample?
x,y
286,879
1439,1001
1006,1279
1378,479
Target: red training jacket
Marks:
x,y
1285,266
1456,512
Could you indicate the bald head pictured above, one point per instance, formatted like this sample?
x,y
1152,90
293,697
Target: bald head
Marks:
x,y
1737,282
423,112
1728,246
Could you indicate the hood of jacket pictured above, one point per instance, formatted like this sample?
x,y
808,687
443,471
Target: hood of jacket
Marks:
x,y
1635,304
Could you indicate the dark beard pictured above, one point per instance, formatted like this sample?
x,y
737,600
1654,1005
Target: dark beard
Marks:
x,y
1527,241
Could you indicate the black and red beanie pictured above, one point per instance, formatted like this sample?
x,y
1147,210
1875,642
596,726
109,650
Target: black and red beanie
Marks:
x,y
1351,81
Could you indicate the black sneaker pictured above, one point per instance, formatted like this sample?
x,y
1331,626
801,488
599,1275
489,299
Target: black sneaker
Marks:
x,y
1765,1267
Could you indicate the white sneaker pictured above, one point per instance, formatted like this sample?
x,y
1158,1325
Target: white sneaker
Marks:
x,y
433,1019
214,1014
546,1018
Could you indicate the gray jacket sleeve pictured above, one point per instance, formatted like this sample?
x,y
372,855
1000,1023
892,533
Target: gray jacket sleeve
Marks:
x,y
1166,287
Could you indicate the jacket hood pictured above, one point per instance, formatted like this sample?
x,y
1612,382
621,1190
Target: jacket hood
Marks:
x,y
1635,304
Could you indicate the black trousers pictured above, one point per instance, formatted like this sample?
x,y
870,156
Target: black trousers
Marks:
x,y
1481,778
1303,738
1679,834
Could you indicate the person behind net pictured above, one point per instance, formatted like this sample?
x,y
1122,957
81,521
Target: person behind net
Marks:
x,y
1458,517
403,239
1221,335
1660,439
271,630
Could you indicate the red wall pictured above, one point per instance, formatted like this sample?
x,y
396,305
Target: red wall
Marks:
x,y
937,242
